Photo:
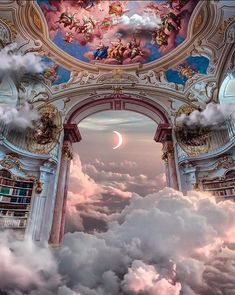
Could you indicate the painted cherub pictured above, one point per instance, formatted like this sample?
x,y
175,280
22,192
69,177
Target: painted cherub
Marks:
x,y
88,27
116,51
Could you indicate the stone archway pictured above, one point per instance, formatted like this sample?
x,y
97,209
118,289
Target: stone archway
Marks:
x,y
71,135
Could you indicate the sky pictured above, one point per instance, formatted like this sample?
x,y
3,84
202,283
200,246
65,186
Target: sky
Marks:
x,y
135,167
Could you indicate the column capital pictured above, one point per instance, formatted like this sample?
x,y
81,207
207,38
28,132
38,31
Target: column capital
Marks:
x,y
163,133
71,133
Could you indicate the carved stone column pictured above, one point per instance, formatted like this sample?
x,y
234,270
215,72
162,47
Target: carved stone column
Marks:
x,y
71,135
164,135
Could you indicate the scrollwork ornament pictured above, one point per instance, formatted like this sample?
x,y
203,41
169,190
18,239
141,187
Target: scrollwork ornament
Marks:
x,y
11,161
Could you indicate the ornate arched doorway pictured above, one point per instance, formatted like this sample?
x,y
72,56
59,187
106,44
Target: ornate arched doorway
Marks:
x,y
76,114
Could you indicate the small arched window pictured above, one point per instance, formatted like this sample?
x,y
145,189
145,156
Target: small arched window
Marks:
x,y
227,90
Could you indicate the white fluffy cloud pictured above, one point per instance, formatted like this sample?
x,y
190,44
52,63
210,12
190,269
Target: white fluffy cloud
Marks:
x,y
146,21
18,117
13,66
16,63
142,278
161,244
26,268
98,190
213,114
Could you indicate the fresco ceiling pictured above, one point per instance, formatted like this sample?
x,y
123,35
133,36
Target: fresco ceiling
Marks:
x,y
117,32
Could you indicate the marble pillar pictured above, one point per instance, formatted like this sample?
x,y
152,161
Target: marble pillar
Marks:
x,y
71,135
164,135
61,237
169,158
57,216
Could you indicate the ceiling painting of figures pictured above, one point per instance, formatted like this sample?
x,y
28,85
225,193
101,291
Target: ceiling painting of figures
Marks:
x,y
117,32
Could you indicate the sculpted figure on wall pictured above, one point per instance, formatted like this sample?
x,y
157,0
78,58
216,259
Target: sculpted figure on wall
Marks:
x,y
44,129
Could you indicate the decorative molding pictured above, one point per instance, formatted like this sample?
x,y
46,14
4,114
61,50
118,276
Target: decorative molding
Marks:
x,y
225,162
8,32
11,161
225,25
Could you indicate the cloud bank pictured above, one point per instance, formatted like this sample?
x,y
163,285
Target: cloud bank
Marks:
x,y
98,190
213,114
161,244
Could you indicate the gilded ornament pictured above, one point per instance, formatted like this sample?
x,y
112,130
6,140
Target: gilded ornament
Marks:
x,y
165,157
7,32
225,25
11,161
37,20
197,23
39,187
67,151
46,130
225,162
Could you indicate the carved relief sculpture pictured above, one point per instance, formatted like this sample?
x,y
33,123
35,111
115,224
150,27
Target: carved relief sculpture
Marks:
x,y
46,130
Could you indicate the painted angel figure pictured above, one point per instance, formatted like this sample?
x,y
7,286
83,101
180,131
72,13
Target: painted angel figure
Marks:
x,y
117,50
88,26
101,51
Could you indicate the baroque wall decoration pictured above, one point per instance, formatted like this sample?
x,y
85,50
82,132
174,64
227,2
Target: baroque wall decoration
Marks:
x,y
7,32
46,130
194,141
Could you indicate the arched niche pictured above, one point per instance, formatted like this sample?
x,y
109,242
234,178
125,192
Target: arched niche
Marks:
x,y
8,92
227,90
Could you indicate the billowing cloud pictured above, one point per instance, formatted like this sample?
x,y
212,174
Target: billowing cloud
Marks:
x,y
142,278
98,190
213,114
164,243
20,275
147,21
18,117
15,63
12,67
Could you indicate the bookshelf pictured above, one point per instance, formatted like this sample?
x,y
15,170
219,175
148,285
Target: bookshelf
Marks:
x,y
221,187
15,200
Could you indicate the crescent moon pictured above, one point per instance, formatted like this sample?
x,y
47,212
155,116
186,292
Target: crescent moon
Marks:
x,y
119,140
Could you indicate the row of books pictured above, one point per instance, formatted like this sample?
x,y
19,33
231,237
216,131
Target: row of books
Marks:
x,y
14,199
9,213
15,191
226,192
12,222
221,184
16,183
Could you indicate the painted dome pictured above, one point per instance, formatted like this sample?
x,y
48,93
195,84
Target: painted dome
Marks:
x,y
117,32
